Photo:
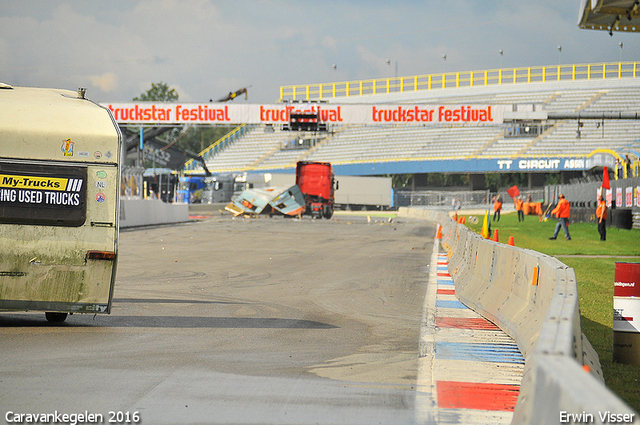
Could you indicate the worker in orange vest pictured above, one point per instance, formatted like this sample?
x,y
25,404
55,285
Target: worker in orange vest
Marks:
x,y
562,211
601,214
520,208
497,207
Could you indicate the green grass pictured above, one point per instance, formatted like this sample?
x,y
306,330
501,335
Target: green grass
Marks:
x,y
533,234
595,277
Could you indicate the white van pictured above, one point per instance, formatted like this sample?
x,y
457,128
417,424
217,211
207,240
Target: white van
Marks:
x,y
59,202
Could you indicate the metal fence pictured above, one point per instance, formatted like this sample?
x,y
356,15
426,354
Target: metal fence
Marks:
x,y
475,199
537,74
584,194
131,182
441,199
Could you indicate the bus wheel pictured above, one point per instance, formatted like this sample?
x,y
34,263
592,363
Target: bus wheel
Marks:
x,y
55,317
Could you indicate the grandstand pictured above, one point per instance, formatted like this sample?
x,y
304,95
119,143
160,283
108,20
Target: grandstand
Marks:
x,y
460,148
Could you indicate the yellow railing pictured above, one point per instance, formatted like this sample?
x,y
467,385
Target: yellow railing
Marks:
x,y
217,146
537,74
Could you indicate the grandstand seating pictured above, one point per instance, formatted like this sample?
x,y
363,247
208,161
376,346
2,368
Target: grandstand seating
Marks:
x,y
261,149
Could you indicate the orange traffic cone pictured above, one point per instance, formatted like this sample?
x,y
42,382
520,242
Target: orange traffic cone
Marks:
x,y
455,216
495,236
463,220
510,241
439,233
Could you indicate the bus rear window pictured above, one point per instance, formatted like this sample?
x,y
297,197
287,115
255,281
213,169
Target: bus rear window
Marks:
x,y
48,195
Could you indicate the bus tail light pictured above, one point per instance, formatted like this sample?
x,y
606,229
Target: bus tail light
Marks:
x,y
101,255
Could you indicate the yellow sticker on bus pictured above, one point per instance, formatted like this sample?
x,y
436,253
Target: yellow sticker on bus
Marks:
x,y
39,183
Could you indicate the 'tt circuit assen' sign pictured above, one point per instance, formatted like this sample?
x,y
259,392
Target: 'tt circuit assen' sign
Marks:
x,y
218,113
544,164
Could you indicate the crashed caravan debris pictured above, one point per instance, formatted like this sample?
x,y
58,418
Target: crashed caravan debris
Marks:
x,y
289,201
312,194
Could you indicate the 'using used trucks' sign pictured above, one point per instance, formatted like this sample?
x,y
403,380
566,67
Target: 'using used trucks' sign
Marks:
x,y
42,194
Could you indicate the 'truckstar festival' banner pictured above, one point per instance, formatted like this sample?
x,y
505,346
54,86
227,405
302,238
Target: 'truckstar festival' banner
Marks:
x,y
218,113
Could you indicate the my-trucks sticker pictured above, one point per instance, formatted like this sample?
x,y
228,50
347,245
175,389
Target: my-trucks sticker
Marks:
x,y
17,189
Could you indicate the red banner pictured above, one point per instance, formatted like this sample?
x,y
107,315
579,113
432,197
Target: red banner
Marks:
x,y
605,178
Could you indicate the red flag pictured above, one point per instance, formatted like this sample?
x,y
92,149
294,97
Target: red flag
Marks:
x,y
513,191
605,179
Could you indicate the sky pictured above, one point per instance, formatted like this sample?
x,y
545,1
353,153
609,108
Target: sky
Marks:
x,y
205,49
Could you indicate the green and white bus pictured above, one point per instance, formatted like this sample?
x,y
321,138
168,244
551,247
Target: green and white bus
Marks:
x,y
59,202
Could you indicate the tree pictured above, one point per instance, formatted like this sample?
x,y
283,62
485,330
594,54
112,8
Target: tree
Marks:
x,y
159,92
401,181
195,138
447,179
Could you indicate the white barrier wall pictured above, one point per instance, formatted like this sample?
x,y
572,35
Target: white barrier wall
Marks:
x,y
147,212
533,298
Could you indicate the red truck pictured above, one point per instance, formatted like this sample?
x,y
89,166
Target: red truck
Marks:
x,y
316,182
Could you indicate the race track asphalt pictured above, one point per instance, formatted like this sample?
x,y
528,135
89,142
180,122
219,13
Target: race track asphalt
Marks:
x,y
223,320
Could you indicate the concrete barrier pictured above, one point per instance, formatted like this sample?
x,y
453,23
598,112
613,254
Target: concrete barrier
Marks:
x,y
533,298
147,212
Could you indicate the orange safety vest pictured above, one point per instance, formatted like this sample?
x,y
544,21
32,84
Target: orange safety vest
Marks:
x,y
519,205
601,211
563,209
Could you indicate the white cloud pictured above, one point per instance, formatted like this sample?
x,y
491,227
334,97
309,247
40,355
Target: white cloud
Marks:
x,y
329,42
106,82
